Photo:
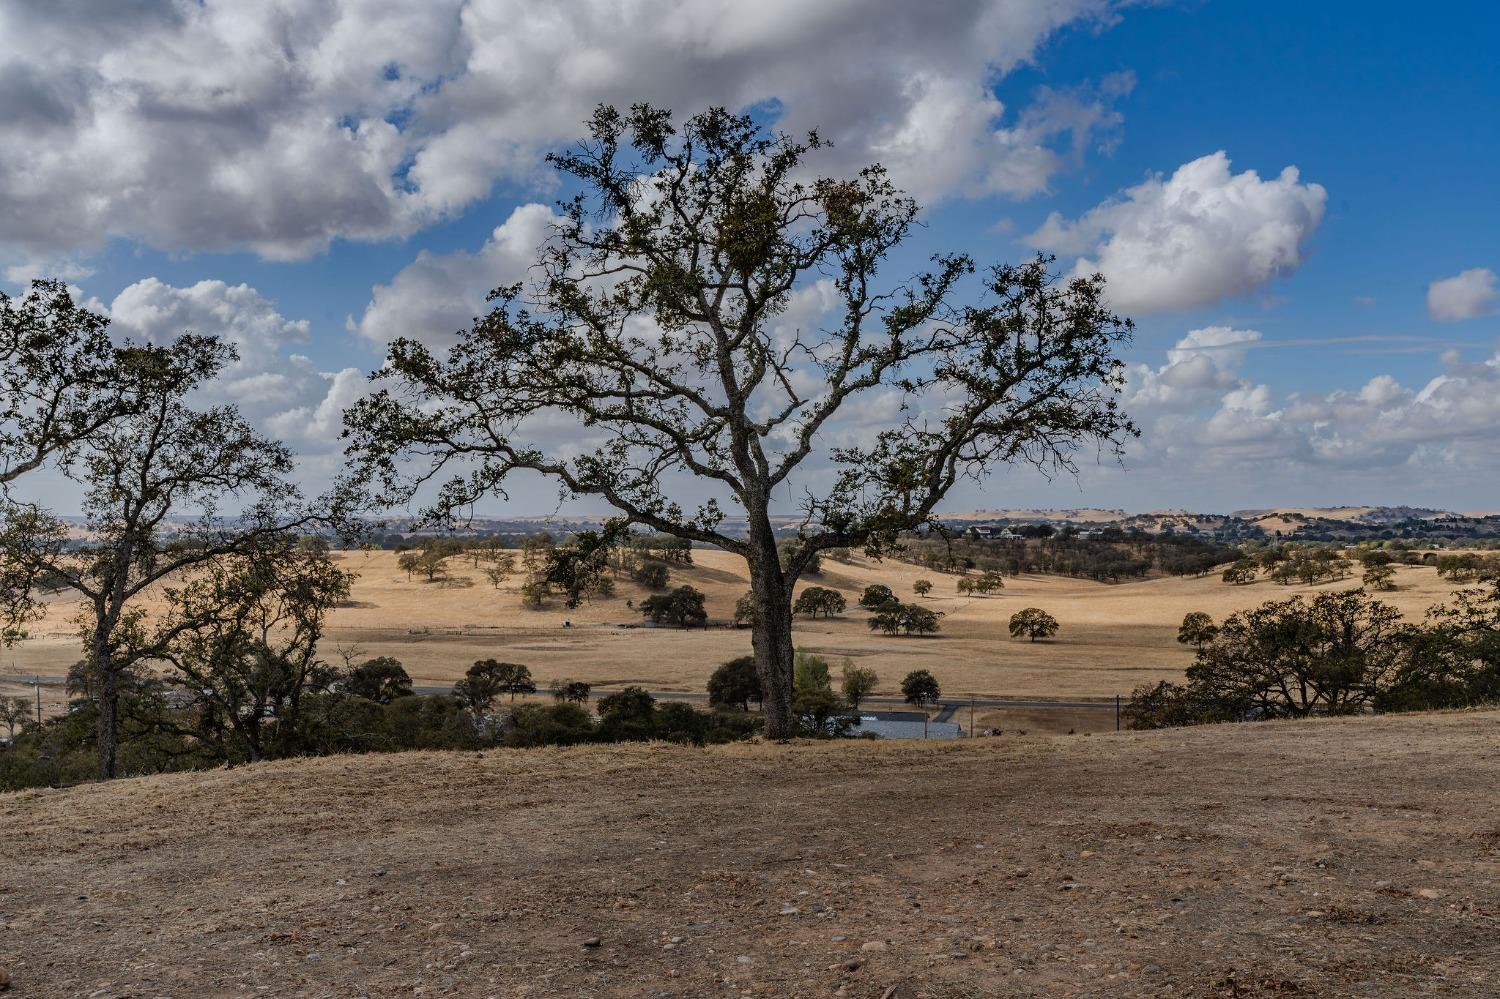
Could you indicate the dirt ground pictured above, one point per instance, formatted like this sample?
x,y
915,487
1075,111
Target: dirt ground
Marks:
x,y
1345,858
1113,637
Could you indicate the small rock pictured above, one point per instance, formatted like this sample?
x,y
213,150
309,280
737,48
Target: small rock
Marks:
x,y
840,938
889,993
743,959
790,910
872,945
592,942
1429,893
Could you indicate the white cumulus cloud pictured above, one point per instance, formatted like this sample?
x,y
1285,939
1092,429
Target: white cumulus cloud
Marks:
x,y
1189,240
281,391
1463,296
438,295
282,126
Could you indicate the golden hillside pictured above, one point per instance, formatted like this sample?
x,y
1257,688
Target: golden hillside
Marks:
x,y
1113,637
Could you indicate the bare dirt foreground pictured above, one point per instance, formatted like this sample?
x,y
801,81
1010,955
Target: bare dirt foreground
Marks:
x,y
1346,858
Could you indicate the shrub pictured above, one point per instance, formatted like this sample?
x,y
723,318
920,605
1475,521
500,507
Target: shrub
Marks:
x,y
627,716
675,721
1167,705
549,725
735,684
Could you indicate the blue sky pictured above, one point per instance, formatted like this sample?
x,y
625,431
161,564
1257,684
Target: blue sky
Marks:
x,y
1346,335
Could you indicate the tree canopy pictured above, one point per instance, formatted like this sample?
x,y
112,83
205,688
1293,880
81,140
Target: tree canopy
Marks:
x,y
653,321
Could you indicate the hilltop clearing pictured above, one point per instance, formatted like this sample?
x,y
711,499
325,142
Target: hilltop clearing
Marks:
x,y
1333,858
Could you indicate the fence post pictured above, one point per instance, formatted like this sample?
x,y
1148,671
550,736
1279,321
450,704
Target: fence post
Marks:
x,y
1117,712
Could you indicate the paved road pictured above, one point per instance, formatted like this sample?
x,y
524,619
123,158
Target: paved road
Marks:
x,y
947,706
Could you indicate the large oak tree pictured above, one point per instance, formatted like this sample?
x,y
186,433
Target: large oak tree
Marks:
x,y
655,320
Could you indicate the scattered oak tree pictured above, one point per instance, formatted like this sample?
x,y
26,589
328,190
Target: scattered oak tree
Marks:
x,y
1241,572
682,607
1293,658
896,618
858,684
571,691
922,587
921,688
651,320
1197,629
876,595
1032,623
744,612
15,712
482,684
382,680
817,600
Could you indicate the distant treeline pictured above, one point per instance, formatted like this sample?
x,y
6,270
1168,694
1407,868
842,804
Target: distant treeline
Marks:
x,y
1110,556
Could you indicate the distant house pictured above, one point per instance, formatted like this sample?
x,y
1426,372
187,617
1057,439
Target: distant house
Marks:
x,y
987,532
904,725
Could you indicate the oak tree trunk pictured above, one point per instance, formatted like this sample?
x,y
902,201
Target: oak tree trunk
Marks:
x,y
771,638
109,708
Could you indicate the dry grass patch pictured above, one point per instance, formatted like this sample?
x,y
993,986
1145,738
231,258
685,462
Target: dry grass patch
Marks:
x,y
1315,858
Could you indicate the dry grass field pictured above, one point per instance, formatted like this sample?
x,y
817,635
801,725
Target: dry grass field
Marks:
x,y
1357,857
1113,637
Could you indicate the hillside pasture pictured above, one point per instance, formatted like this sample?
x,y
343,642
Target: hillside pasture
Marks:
x,y
1113,637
